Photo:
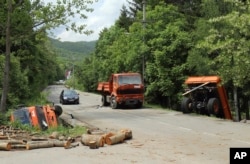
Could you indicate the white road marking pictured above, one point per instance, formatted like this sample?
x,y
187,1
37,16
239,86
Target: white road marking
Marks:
x,y
186,129
245,142
209,134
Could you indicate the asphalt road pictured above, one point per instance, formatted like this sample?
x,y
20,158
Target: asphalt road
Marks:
x,y
159,136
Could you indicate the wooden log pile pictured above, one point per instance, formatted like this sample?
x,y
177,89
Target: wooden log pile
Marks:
x,y
94,140
16,139
11,138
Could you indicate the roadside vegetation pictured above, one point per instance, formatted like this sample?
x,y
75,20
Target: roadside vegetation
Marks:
x,y
177,39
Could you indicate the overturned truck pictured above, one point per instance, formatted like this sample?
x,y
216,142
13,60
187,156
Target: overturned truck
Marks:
x,y
40,116
206,95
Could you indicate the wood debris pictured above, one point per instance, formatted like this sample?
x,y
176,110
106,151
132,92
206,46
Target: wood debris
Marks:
x,y
16,139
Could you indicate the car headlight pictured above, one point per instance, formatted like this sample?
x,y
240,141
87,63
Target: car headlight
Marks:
x,y
65,98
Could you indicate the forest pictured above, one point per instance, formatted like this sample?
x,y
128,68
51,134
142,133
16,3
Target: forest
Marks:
x,y
166,41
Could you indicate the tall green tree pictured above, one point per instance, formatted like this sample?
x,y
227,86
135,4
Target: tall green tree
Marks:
x,y
40,18
168,39
228,45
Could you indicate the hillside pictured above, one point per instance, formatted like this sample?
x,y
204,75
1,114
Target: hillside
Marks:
x,y
76,50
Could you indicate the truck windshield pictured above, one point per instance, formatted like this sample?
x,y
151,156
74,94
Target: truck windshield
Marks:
x,y
129,79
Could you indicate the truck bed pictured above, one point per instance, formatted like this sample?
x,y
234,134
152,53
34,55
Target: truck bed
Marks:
x,y
103,87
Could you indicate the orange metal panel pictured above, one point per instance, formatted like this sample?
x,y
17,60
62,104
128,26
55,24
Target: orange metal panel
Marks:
x,y
202,79
224,102
33,116
50,116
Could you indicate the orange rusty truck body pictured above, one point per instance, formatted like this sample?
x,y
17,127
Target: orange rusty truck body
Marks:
x,y
122,89
206,95
38,116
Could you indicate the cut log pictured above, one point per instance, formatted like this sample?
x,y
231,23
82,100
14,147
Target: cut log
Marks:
x,y
95,131
54,135
107,135
64,144
39,145
127,132
47,144
92,145
86,138
61,138
35,138
3,137
72,145
5,146
18,146
117,138
13,141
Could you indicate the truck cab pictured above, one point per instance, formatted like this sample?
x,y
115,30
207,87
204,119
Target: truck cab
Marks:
x,y
122,89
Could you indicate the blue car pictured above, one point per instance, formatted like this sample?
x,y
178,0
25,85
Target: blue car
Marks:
x,y
69,96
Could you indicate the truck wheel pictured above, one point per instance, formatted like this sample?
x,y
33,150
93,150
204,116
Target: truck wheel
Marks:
x,y
186,105
58,110
113,103
139,105
213,106
104,101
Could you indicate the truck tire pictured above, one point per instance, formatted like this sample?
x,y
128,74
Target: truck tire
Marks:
x,y
213,106
104,101
186,105
113,103
58,110
139,105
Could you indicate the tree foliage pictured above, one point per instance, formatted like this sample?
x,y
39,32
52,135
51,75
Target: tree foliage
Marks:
x,y
23,44
178,39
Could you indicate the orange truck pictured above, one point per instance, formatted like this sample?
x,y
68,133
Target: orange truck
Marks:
x,y
206,95
122,89
41,117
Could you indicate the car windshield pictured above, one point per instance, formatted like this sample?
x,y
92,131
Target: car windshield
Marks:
x,y
69,93
129,79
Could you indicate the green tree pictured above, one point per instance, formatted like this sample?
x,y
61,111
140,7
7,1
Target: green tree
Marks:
x,y
24,19
228,45
168,40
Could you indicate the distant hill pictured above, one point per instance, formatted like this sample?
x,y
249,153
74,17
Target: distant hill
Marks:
x,y
73,50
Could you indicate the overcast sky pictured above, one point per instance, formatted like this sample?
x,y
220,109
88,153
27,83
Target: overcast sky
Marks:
x,y
105,13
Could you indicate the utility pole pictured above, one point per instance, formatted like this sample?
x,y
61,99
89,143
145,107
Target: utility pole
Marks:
x,y
144,27
73,73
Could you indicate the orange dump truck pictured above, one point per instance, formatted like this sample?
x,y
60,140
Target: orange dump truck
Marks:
x,y
41,117
122,89
206,95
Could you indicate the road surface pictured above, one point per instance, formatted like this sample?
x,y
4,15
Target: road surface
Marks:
x,y
159,136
